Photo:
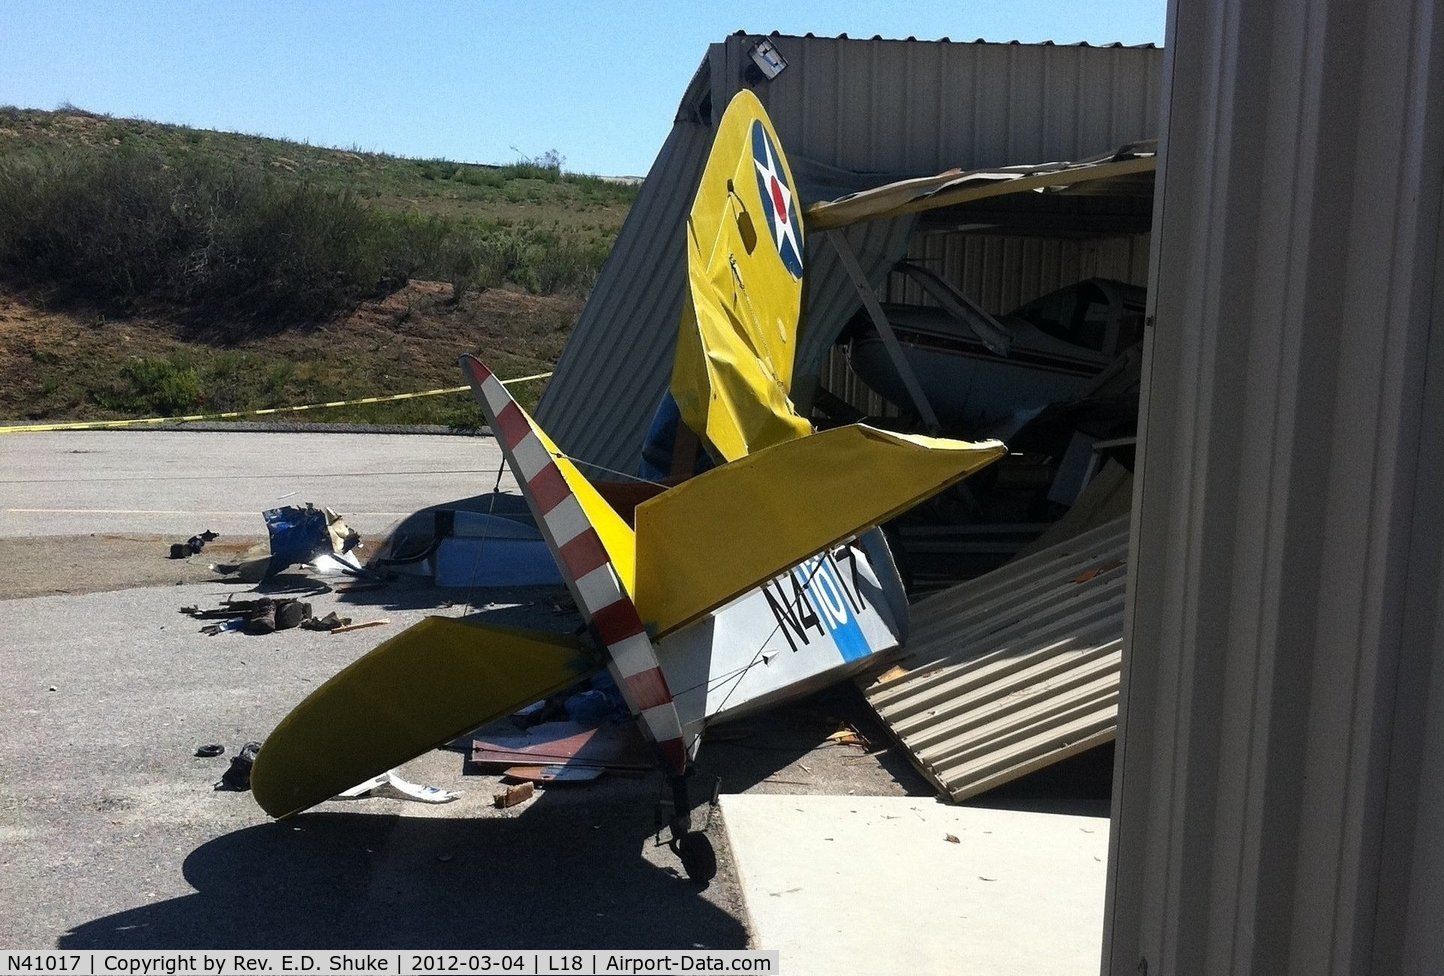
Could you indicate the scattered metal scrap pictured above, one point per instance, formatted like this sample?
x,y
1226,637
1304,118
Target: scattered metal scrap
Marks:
x,y
260,616
564,745
548,775
311,536
391,785
193,545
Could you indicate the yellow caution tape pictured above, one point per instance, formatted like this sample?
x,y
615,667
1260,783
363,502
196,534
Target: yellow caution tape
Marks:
x,y
232,414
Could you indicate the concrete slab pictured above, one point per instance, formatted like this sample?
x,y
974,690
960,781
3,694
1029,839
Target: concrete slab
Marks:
x,y
873,885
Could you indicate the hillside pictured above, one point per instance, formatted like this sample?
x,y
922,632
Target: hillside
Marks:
x,y
149,268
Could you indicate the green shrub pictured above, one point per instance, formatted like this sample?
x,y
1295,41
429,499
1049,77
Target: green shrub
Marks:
x,y
226,241
153,387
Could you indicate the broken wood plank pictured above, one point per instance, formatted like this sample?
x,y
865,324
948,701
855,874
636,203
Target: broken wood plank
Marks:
x,y
360,626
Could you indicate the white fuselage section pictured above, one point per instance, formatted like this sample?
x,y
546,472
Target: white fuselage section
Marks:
x,y
828,617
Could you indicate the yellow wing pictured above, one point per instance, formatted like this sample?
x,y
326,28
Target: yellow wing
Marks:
x,y
744,265
425,686
718,535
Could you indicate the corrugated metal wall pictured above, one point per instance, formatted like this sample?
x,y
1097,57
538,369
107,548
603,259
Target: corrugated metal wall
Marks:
x,y
1014,670
1279,797
1000,273
924,106
867,105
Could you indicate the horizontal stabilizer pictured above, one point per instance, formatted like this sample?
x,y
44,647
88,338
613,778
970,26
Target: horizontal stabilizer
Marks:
x,y
723,532
424,687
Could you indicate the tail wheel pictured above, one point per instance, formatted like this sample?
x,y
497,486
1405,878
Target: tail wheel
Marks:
x,y
698,858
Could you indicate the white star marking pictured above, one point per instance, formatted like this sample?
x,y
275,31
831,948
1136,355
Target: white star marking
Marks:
x,y
782,228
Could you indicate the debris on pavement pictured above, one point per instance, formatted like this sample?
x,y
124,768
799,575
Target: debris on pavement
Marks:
x,y
300,535
849,736
380,621
546,775
391,786
226,611
238,777
193,545
309,536
260,616
329,622
511,796
364,586
207,751
606,747
273,615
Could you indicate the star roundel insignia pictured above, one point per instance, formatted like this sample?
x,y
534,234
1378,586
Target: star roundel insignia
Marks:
x,y
778,202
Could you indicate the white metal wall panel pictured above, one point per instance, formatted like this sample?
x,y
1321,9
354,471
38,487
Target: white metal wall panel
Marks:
x,y
1279,795
873,106
1012,671
923,106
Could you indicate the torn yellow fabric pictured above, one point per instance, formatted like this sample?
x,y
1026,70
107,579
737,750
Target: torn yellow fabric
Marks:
x,y
738,332
723,532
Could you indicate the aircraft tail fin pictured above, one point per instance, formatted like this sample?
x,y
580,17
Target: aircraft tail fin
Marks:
x,y
738,336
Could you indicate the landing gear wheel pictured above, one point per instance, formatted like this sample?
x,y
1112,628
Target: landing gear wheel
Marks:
x,y
698,858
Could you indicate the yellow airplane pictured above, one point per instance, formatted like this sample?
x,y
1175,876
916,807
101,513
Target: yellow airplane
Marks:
x,y
760,579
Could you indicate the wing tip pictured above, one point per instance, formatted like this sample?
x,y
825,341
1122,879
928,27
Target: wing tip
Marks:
x,y
476,371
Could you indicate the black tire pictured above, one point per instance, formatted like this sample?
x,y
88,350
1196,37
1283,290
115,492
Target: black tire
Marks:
x,y
698,858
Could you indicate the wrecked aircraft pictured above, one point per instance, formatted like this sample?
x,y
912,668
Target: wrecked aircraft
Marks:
x,y
759,579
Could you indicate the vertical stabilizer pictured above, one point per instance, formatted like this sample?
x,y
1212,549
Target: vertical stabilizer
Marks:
x,y
738,335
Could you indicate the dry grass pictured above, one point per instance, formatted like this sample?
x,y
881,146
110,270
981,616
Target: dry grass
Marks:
x,y
395,267
63,365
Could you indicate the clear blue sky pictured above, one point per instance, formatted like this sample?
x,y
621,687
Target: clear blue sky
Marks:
x,y
596,81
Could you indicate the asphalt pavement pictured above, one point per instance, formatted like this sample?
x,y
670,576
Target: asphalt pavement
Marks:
x,y
167,482
111,833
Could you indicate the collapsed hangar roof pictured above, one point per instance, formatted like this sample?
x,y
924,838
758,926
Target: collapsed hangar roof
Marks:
x,y
852,114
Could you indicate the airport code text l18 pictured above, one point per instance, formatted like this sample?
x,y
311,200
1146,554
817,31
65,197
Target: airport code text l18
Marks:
x,y
318,962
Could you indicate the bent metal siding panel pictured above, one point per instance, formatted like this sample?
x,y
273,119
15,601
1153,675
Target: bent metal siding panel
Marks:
x,y
1012,671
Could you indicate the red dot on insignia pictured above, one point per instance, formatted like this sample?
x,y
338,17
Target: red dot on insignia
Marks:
x,y
777,202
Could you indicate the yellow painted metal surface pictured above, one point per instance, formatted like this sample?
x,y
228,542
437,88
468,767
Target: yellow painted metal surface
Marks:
x,y
429,684
744,263
723,532
615,533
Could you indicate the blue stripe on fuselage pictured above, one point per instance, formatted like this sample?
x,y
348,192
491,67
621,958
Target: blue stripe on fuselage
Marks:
x,y
818,578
